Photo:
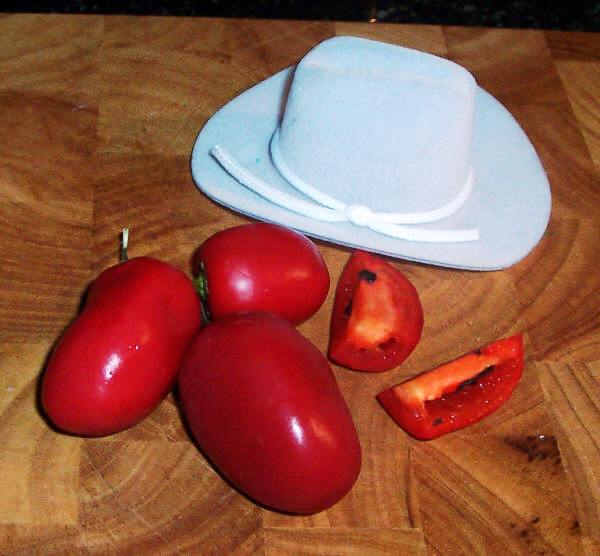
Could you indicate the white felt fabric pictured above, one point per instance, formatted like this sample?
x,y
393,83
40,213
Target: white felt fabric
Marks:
x,y
510,203
386,127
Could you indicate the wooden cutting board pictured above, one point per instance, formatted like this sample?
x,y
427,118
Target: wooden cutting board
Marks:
x,y
97,119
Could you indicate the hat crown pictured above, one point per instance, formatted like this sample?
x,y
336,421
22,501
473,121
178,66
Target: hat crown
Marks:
x,y
379,125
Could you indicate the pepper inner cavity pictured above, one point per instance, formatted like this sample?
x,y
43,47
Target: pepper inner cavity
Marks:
x,y
474,380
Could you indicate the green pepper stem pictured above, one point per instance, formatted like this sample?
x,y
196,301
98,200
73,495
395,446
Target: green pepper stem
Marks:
x,y
201,286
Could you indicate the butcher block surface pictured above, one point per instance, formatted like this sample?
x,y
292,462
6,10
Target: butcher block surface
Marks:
x,y
98,116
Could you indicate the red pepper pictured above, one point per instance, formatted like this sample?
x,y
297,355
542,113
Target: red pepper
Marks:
x,y
459,393
377,316
120,357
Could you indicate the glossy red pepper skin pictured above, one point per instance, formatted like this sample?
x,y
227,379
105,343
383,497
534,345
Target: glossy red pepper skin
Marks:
x,y
264,406
377,317
119,358
262,267
459,393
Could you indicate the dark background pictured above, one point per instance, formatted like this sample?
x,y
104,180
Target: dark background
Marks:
x,y
579,15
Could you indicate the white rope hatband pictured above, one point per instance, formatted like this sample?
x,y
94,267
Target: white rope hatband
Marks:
x,y
329,209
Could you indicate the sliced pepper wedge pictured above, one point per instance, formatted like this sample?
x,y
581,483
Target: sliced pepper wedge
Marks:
x,y
456,394
377,317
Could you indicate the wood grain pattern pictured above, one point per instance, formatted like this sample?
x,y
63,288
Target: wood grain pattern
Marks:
x,y
317,541
574,394
98,116
581,79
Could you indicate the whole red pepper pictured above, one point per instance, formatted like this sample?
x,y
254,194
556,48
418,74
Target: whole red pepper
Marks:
x,y
120,357
261,267
264,405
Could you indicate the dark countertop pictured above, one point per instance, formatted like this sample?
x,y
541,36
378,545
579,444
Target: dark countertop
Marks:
x,y
579,15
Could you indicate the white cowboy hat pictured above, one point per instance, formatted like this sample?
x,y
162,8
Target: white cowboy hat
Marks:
x,y
381,148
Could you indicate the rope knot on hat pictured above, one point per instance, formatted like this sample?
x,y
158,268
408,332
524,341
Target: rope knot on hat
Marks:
x,y
359,215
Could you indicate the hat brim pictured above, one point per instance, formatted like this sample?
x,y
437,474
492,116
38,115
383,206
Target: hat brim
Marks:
x,y
510,204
